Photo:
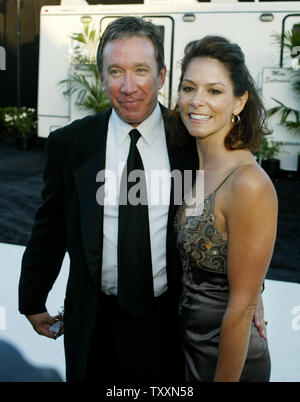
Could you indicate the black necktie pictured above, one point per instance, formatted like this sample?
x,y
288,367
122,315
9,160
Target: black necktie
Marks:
x,y
135,279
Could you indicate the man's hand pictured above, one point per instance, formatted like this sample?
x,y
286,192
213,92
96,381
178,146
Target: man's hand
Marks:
x,y
258,318
41,323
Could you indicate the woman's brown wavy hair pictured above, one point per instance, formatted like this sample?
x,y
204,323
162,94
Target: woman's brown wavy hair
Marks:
x,y
248,133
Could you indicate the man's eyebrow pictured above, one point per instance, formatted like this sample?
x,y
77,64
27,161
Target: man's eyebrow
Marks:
x,y
140,64
113,66
143,64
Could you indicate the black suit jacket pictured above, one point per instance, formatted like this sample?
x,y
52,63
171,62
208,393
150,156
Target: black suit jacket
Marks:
x,y
70,219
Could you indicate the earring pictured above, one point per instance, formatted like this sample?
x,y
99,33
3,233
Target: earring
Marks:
x,y
235,119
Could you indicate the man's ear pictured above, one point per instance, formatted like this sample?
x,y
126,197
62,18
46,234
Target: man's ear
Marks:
x,y
162,76
101,80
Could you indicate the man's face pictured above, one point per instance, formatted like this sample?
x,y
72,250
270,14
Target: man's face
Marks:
x,y
130,78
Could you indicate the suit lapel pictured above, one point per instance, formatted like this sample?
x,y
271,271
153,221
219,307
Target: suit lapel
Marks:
x,y
93,151
173,164
180,158
173,275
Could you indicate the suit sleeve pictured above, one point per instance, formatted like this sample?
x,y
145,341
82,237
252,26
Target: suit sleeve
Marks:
x,y
46,248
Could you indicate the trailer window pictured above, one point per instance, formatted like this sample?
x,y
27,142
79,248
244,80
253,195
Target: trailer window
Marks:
x,y
290,41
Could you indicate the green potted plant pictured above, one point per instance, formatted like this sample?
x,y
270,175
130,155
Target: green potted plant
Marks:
x,y
267,157
25,125
8,131
19,126
289,117
83,81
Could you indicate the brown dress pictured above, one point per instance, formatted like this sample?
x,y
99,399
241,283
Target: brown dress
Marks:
x,y
203,252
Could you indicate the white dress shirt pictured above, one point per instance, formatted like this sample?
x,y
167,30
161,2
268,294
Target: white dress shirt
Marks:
x,y
153,150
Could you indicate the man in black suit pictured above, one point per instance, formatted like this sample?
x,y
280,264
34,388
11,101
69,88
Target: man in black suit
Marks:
x,y
114,331
120,321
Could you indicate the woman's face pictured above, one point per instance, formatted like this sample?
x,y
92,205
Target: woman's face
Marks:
x,y
206,99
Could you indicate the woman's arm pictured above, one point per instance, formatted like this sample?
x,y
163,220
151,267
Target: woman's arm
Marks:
x,y
251,218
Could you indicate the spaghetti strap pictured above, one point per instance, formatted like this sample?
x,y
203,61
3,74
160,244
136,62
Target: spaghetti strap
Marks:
x,y
227,177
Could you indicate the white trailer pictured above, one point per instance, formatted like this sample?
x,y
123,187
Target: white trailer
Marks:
x,y
251,25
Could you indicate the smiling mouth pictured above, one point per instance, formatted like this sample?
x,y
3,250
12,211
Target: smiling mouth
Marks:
x,y
199,117
130,102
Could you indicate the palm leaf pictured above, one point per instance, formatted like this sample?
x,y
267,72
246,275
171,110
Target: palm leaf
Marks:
x,y
85,85
292,125
89,93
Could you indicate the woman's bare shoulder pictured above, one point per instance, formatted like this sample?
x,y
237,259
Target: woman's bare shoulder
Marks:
x,y
250,182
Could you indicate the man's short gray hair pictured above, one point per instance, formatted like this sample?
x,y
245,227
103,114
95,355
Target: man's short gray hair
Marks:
x,y
126,27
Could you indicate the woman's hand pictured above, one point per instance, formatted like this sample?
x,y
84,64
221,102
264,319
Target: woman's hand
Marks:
x,y
259,320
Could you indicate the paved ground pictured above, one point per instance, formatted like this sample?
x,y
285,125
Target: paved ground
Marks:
x,y
20,186
281,301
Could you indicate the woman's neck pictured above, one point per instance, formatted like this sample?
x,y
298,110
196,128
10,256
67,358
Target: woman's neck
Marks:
x,y
214,155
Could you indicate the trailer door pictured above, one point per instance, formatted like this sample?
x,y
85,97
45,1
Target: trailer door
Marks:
x,y
290,25
277,87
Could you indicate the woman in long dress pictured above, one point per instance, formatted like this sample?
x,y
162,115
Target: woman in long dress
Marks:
x,y
226,242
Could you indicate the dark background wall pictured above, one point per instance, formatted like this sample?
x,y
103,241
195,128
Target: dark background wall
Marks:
x,y
29,48
29,45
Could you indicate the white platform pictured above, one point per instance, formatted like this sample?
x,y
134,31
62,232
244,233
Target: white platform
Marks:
x,y
281,301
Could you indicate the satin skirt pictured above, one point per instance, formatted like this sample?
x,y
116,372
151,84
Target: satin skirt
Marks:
x,y
201,311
